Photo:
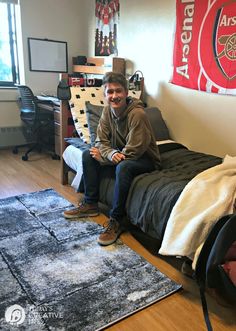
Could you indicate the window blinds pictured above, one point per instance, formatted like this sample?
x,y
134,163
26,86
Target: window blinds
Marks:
x,y
14,2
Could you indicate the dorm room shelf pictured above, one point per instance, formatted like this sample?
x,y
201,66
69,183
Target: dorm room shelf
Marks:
x,y
101,65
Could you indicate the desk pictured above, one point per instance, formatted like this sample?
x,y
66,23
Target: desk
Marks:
x,y
52,104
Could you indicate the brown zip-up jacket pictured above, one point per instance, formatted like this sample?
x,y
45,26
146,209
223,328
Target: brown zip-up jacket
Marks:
x,y
130,134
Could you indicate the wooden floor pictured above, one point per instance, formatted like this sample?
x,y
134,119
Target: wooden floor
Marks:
x,y
181,311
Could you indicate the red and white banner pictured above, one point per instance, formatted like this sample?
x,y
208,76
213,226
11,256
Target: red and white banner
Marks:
x,y
205,45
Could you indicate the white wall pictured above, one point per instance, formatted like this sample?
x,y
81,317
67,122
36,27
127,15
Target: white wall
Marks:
x,y
52,19
57,20
202,121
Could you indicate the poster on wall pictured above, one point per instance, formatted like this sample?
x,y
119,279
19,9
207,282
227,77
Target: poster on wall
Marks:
x,y
107,14
204,56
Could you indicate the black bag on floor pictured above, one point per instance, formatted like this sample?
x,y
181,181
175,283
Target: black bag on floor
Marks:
x,y
218,250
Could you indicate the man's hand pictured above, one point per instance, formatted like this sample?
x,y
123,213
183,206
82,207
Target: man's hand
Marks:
x,y
95,153
117,157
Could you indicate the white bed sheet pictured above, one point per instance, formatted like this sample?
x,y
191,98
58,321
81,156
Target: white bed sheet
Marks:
x,y
73,158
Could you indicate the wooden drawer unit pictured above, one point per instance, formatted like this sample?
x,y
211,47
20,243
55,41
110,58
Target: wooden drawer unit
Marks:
x,y
57,131
57,145
57,115
57,128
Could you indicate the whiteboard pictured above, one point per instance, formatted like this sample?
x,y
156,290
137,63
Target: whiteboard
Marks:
x,y
47,55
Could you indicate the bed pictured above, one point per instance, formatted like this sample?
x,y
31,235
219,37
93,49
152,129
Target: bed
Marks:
x,y
152,197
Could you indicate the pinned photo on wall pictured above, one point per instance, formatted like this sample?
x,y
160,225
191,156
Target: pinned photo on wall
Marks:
x,y
107,14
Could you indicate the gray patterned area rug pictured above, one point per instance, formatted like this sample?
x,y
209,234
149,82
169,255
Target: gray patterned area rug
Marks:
x,y
54,275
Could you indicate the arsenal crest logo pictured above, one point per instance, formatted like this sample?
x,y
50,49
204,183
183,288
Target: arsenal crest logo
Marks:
x,y
217,44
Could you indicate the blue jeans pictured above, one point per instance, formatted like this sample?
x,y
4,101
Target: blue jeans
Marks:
x,y
125,171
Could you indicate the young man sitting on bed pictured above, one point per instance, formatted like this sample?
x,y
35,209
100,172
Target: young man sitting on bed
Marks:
x,y
125,141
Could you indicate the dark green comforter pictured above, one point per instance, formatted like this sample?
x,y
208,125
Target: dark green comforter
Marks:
x,y
152,196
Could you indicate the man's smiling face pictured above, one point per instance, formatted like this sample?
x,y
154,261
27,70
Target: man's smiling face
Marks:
x,y
116,95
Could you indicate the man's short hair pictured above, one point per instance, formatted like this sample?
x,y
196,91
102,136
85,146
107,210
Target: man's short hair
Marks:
x,y
115,77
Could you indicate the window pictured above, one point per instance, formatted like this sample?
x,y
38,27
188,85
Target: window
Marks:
x,y
9,73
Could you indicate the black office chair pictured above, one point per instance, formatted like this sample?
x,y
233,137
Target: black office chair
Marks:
x,y
39,123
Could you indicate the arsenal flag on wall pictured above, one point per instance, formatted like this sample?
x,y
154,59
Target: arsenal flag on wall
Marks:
x,y
205,45
107,17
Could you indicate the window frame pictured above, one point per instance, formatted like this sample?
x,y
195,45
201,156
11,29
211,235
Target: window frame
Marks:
x,y
11,12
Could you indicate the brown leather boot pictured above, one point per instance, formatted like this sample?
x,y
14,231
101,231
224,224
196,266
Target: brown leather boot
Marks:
x,y
112,231
83,210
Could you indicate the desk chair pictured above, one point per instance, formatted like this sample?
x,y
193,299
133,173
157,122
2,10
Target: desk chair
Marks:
x,y
38,120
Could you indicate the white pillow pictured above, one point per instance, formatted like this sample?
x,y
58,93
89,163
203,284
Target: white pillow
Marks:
x,y
77,105
95,95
